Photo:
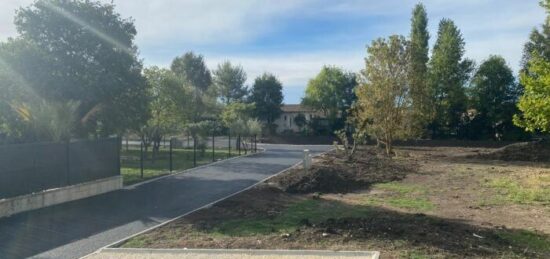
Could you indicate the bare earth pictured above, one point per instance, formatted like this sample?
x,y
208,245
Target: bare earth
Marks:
x,y
436,202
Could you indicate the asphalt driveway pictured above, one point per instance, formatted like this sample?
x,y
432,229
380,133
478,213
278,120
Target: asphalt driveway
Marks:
x,y
77,228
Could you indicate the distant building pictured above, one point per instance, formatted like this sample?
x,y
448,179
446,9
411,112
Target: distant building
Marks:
x,y
286,123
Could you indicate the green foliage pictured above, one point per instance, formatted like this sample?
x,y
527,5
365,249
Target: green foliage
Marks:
x,y
192,69
539,41
82,51
449,73
534,104
48,121
331,91
196,99
384,100
418,73
494,94
237,111
229,81
267,95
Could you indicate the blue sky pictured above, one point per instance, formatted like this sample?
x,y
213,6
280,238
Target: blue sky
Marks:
x,y
294,38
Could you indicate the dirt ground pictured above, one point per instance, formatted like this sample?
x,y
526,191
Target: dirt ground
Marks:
x,y
427,202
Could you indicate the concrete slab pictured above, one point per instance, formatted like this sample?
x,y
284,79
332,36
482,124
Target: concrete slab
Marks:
x,y
131,253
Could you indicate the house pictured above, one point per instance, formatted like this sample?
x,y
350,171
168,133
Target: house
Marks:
x,y
286,122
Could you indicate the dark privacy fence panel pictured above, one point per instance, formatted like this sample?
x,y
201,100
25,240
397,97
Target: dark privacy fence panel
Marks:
x,y
34,167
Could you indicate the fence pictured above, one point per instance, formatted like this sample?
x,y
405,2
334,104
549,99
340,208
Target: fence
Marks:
x,y
34,167
181,153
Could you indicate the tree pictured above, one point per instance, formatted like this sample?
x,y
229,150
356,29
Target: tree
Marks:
x,y
86,54
534,104
494,94
332,92
383,100
449,73
192,69
195,76
237,111
267,95
418,73
229,81
539,40
165,118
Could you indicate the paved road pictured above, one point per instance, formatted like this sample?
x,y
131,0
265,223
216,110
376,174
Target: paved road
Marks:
x,y
78,228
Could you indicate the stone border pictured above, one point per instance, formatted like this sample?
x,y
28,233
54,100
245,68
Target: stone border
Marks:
x,y
55,196
253,252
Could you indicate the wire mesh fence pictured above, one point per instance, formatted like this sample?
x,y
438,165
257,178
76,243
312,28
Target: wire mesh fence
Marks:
x,y
142,161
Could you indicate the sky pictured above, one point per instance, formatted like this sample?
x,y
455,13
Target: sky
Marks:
x,y
293,39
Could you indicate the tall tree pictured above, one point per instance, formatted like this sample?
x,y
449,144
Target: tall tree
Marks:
x,y
539,40
195,76
383,101
87,54
534,104
418,73
229,81
267,95
332,92
449,73
494,93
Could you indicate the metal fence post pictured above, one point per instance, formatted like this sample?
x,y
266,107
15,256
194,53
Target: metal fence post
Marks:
x,y
213,146
255,144
141,158
171,146
68,163
194,152
229,135
119,141
239,144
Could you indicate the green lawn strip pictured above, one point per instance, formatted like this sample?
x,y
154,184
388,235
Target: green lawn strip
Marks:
x,y
528,239
314,211
404,196
512,191
182,159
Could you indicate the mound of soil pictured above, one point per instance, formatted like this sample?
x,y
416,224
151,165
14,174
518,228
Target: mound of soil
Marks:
x,y
537,151
335,174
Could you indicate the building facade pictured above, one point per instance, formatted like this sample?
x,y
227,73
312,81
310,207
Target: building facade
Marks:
x,y
287,121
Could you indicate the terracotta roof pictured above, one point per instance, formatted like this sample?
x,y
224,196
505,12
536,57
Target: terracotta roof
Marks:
x,y
296,108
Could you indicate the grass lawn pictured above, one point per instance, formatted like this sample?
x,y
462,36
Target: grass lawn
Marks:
x,y
181,159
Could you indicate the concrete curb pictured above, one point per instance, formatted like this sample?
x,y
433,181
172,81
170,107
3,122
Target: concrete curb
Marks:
x,y
55,196
258,252
202,207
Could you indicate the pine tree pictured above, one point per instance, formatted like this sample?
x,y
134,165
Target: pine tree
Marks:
x,y
449,72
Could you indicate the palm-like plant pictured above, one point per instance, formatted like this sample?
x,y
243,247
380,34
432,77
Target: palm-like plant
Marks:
x,y
48,121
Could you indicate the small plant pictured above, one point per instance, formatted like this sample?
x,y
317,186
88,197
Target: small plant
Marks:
x,y
350,142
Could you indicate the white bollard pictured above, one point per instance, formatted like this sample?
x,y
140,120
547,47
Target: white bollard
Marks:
x,y
307,160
